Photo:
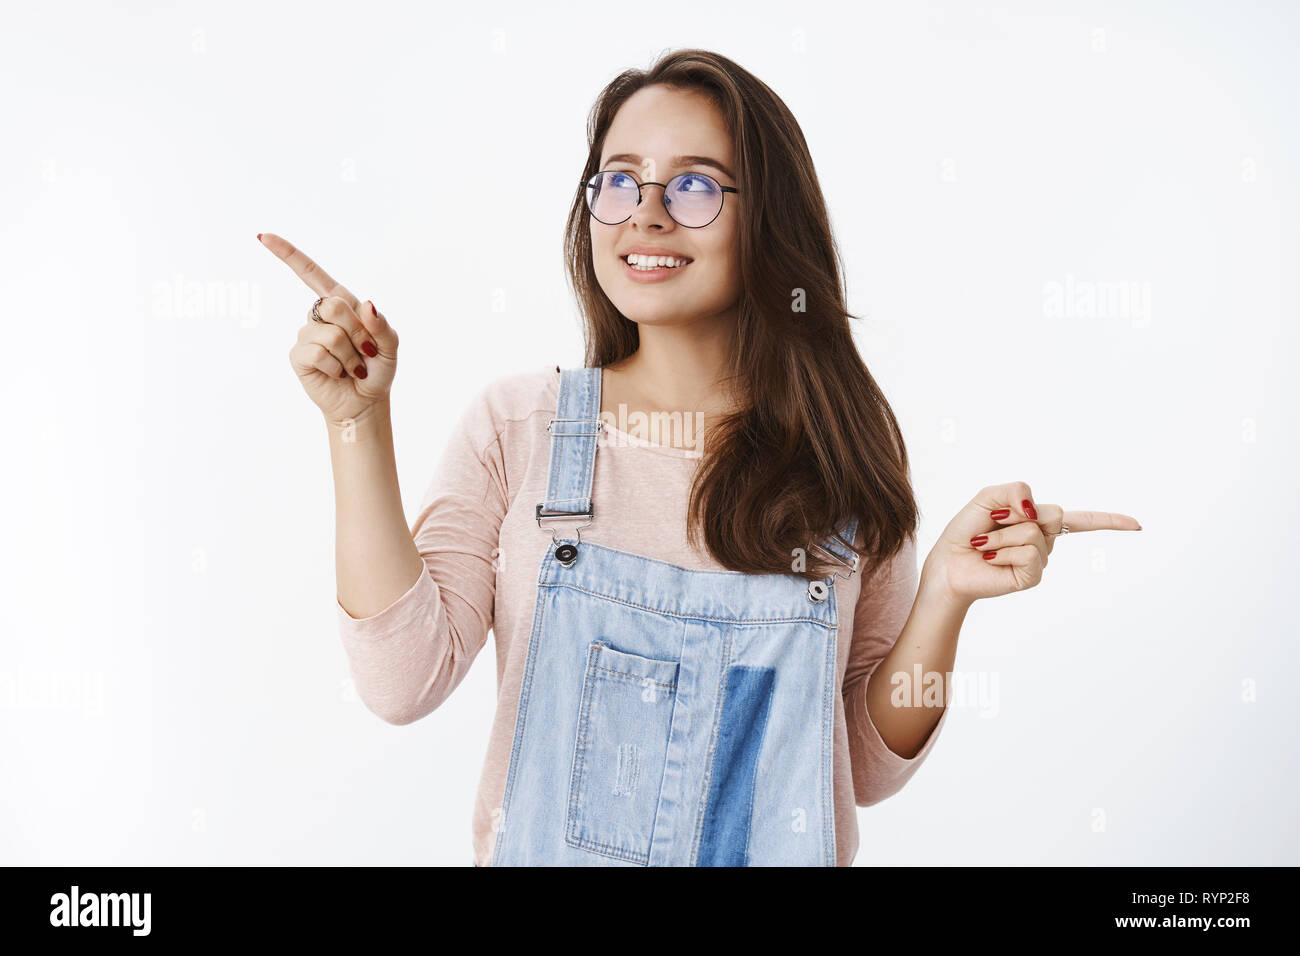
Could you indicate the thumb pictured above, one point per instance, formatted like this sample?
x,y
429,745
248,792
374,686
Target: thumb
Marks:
x,y
383,334
975,518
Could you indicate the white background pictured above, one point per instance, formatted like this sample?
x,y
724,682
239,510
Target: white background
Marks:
x,y
172,686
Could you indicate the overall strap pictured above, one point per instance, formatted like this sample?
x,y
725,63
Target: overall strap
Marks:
x,y
574,432
836,545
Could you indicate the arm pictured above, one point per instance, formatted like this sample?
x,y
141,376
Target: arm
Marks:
x,y
421,624
889,621
928,646
410,643
375,556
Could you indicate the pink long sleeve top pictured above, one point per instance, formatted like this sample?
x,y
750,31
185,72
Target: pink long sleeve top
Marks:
x,y
481,545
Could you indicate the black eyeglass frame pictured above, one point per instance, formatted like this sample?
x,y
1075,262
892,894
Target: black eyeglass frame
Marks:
x,y
586,184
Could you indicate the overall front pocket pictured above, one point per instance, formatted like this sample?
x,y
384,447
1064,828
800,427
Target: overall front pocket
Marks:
x,y
619,752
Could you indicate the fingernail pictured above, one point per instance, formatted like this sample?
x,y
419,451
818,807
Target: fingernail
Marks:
x,y
1029,509
343,373
359,371
372,307
369,348
979,539
259,237
989,555
1000,514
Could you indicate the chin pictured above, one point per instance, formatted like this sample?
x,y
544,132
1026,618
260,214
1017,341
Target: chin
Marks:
x,y
669,315
643,314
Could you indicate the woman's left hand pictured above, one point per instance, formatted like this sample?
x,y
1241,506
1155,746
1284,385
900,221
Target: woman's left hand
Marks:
x,y
1000,541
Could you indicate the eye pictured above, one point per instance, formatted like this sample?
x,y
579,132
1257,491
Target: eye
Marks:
x,y
618,180
695,183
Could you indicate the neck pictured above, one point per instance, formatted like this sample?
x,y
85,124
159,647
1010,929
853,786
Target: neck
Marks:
x,y
681,368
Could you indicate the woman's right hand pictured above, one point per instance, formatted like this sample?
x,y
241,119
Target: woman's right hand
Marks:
x,y
333,358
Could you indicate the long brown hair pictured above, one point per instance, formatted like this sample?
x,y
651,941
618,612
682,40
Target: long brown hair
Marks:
x,y
814,442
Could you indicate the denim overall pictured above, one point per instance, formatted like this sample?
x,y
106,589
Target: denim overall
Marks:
x,y
667,716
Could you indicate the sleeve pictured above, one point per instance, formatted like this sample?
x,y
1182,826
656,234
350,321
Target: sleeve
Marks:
x,y
407,659
883,606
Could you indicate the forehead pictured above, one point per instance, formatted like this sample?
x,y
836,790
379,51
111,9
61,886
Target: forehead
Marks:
x,y
659,123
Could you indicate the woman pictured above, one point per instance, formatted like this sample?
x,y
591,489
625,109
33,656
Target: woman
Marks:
x,y
697,634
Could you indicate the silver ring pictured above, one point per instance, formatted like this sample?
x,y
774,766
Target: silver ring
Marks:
x,y
1065,528
315,310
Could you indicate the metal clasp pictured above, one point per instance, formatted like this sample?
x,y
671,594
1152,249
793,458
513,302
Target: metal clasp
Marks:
x,y
598,425
589,513
852,566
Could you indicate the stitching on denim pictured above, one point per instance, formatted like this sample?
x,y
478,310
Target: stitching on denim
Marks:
x,y
719,700
606,850
590,395
631,678
668,749
574,463
521,714
716,572
577,774
753,784
830,849
556,463
738,622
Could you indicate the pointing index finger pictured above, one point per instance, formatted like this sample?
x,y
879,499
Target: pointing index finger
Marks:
x,y
316,278
1099,521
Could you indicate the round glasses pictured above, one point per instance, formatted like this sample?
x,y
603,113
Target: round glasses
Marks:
x,y
693,200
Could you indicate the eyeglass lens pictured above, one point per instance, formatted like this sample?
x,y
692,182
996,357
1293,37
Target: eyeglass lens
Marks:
x,y
692,199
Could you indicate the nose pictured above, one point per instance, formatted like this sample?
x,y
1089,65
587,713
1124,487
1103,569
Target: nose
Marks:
x,y
651,210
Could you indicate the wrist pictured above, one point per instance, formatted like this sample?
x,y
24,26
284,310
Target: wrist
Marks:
x,y
935,592
373,421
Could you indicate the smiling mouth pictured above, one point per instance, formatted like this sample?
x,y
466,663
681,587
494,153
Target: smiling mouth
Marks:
x,y
654,265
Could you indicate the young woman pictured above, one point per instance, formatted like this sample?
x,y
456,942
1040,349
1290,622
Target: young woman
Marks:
x,y
697,632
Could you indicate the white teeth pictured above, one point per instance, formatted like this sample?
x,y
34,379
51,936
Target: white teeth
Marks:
x,y
644,263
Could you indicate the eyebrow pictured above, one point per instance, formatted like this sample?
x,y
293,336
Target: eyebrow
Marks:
x,y
677,162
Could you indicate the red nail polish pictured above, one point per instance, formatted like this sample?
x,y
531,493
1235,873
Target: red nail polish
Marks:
x,y
1000,514
1029,509
259,237
372,307
359,371
978,540
343,373
989,555
369,348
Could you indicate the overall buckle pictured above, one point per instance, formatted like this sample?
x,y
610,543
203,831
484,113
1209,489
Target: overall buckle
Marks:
x,y
566,554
